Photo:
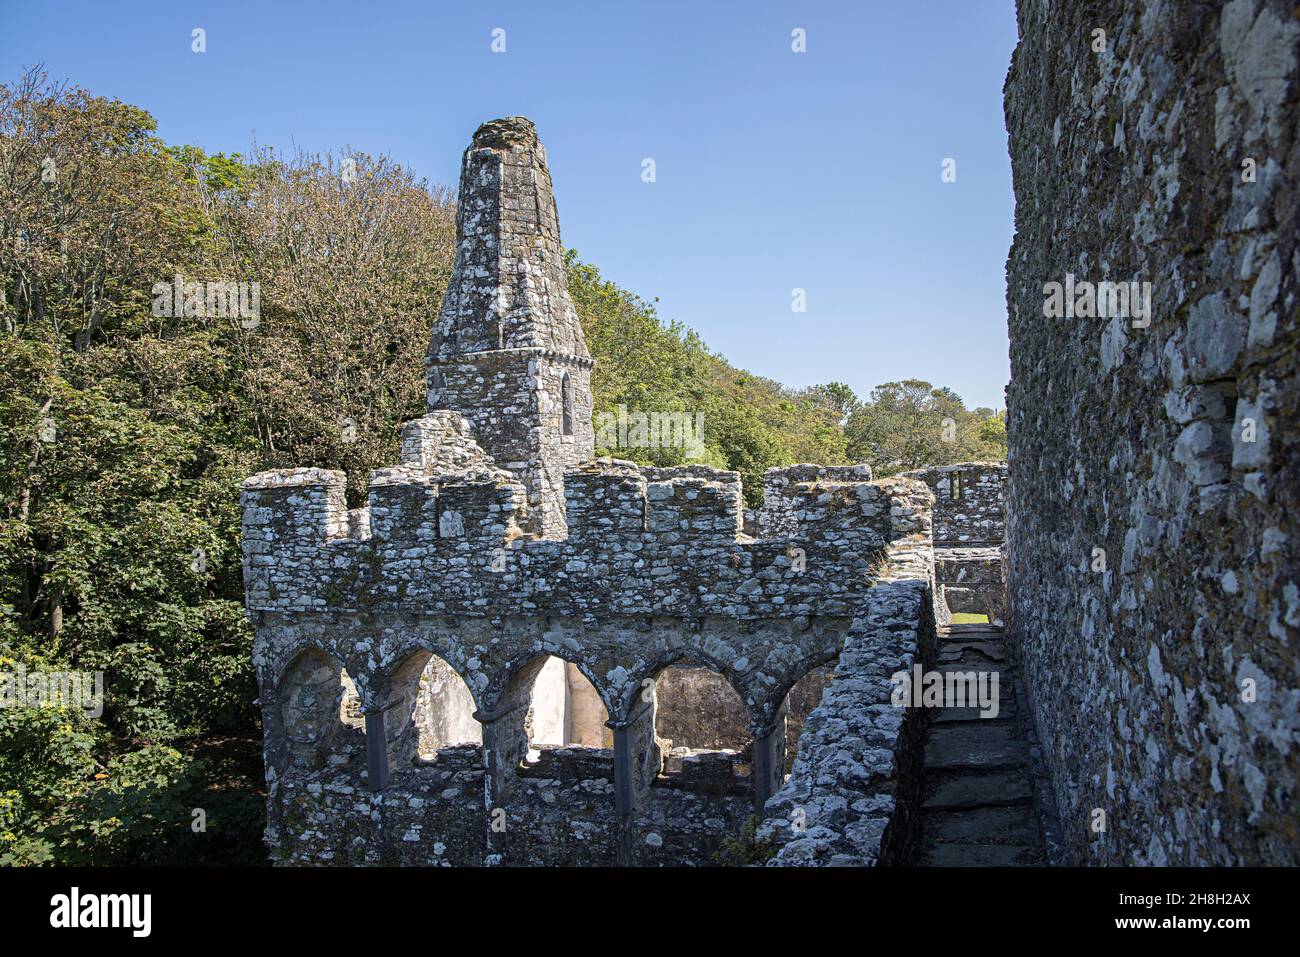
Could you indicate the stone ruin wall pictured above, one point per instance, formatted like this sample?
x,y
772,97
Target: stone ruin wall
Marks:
x,y
969,502
654,573
969,533
853,794
1155,581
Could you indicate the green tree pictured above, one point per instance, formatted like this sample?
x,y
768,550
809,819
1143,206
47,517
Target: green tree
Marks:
x,y
910,424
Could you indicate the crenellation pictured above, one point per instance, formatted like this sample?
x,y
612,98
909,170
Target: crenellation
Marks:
x,y
687,508
632,546
969,501
403,514
776,516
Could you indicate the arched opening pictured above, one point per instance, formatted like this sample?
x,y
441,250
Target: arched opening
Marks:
x,y
566,405
804,696
320,711
564,710
702,728
433,713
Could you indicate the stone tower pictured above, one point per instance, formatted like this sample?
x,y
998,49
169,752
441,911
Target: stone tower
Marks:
x,y
507,351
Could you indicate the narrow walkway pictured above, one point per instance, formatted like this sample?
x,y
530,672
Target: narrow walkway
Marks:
x,y
978,799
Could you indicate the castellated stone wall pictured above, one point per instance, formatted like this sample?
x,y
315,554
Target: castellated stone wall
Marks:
x,y
654,572
1154,466
969,528
349,609
969,502
412,707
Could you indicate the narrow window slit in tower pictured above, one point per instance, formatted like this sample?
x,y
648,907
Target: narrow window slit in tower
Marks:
x,y
566,405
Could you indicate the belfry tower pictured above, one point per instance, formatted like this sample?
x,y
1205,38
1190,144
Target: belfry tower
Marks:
x,y
507,351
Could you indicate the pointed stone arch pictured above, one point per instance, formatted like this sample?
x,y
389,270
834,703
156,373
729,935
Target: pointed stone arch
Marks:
x,y
319,711
430,708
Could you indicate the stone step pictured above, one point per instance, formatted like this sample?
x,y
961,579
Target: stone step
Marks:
x,y
972,651
978,802
1002,668
975,745
1006,677
970,790
1006,712
980,855
974,629
1012,825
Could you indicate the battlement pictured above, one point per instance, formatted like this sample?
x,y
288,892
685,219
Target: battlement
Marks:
x,y
603,498
496,542
448,525
312,498
785,487
969,501
969,519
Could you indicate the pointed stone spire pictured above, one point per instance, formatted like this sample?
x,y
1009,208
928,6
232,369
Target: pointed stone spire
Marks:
x,y
507,351
509,289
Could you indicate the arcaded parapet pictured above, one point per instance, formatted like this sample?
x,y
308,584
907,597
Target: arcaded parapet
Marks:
x,y
655,571
1154,573
850,798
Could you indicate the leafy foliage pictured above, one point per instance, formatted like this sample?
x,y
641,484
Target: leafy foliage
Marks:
x,y
910,424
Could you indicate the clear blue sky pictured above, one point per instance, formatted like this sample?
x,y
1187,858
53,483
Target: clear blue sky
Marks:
x,y
775,170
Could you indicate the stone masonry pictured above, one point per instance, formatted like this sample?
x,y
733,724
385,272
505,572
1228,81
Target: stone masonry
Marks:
x,y
969,527
1154,458
399,645
507,351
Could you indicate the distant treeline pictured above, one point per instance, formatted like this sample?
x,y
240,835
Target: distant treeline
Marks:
x,y
142,377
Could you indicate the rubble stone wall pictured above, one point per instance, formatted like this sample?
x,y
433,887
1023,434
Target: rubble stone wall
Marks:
x,y
1155,454
969,501
969,527
852,797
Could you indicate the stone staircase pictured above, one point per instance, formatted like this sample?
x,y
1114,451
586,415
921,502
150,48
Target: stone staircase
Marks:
x,y
980,806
